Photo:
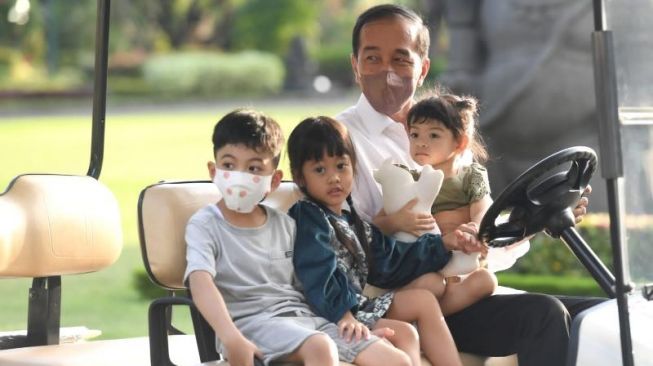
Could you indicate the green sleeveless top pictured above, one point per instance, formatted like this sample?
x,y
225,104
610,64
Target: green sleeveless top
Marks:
x,y
470,185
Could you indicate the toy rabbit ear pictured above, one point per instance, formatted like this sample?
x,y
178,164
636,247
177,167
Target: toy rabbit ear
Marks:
x,y
377,173
439,179
431,179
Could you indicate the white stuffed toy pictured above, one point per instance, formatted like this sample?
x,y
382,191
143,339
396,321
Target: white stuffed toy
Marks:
x,y
399,187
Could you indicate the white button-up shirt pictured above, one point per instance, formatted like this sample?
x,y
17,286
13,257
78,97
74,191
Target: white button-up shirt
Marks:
x,y
376,137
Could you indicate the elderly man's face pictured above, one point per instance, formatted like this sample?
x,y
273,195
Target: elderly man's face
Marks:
x,y
388,67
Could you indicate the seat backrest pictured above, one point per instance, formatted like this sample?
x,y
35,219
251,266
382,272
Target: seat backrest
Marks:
x,y
163,211
52,225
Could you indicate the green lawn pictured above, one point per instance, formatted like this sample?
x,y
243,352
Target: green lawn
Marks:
x,y
548,284
104,300
141,148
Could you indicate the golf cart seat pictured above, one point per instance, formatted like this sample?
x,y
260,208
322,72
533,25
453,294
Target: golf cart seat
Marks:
x,y
55,225
163,211
51,226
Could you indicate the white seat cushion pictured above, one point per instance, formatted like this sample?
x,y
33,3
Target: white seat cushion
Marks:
x,y
56,225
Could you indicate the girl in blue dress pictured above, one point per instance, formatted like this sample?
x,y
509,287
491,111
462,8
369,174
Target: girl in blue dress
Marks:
x,y
336,253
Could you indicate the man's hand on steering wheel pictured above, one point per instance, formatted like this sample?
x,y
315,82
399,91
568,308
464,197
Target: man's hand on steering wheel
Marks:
x,y
581,209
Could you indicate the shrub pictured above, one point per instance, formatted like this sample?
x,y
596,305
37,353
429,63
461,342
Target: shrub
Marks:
x,y
26,77
6,56
128,86
639,231
214,74
144,286
553,285
333,62
549,256
550,266
438,66
271,25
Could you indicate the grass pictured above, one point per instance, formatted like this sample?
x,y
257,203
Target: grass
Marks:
x,y
141,148
548,284
104,300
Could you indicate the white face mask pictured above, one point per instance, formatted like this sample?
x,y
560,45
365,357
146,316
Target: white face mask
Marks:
x,y
242,191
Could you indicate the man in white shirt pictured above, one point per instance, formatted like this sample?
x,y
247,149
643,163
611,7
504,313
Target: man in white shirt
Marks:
x,y
390,60
376,137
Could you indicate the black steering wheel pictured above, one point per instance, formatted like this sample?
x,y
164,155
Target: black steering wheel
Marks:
x,y
540,198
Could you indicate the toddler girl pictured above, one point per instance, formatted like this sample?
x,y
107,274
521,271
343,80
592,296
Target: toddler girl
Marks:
x,y
336,253
442,134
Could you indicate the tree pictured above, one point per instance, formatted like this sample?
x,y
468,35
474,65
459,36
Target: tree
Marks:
x,y
271,25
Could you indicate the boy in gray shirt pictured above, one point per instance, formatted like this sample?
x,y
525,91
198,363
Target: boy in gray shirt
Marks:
x,y
239,256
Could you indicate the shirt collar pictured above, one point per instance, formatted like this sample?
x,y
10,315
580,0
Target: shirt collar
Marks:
x,y
373,121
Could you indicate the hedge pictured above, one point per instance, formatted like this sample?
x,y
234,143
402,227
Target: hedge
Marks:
x,y
214,74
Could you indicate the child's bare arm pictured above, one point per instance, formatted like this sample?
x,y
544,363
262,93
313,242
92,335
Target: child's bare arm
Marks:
x,y
477,209
405,220
209,301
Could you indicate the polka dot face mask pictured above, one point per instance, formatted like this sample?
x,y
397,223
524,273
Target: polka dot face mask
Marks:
x,y
242,191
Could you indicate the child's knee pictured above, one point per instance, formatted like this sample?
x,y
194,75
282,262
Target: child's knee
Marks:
x,y
399,358
485,281
424,302
320,346
382,352
405,332
433,282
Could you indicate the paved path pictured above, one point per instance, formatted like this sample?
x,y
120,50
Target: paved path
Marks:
x,y
84,106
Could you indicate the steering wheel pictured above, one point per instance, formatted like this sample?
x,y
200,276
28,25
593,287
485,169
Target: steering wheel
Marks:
x,y
540,198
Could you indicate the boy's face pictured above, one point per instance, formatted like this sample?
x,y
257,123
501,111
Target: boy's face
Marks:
x,y
238,157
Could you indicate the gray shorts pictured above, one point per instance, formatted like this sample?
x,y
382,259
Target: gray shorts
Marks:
x,y
279,336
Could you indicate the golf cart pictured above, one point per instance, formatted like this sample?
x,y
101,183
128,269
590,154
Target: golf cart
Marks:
x,y
541,199
66,234
622,81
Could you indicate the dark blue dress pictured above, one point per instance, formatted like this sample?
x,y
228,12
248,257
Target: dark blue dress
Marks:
x,y
333,280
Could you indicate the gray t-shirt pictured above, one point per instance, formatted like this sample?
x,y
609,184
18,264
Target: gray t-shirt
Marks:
x,y
252,267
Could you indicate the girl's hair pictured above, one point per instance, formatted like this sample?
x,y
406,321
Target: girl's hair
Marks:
x,y
456,113
311,140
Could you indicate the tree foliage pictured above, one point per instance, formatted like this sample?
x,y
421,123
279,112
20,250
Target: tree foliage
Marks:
x,y
58,36
270,25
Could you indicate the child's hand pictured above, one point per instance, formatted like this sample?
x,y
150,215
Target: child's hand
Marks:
x,y
413,222
351,328
465,239
241,352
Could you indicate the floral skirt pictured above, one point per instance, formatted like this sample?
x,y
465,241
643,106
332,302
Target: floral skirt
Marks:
x,y
370,310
